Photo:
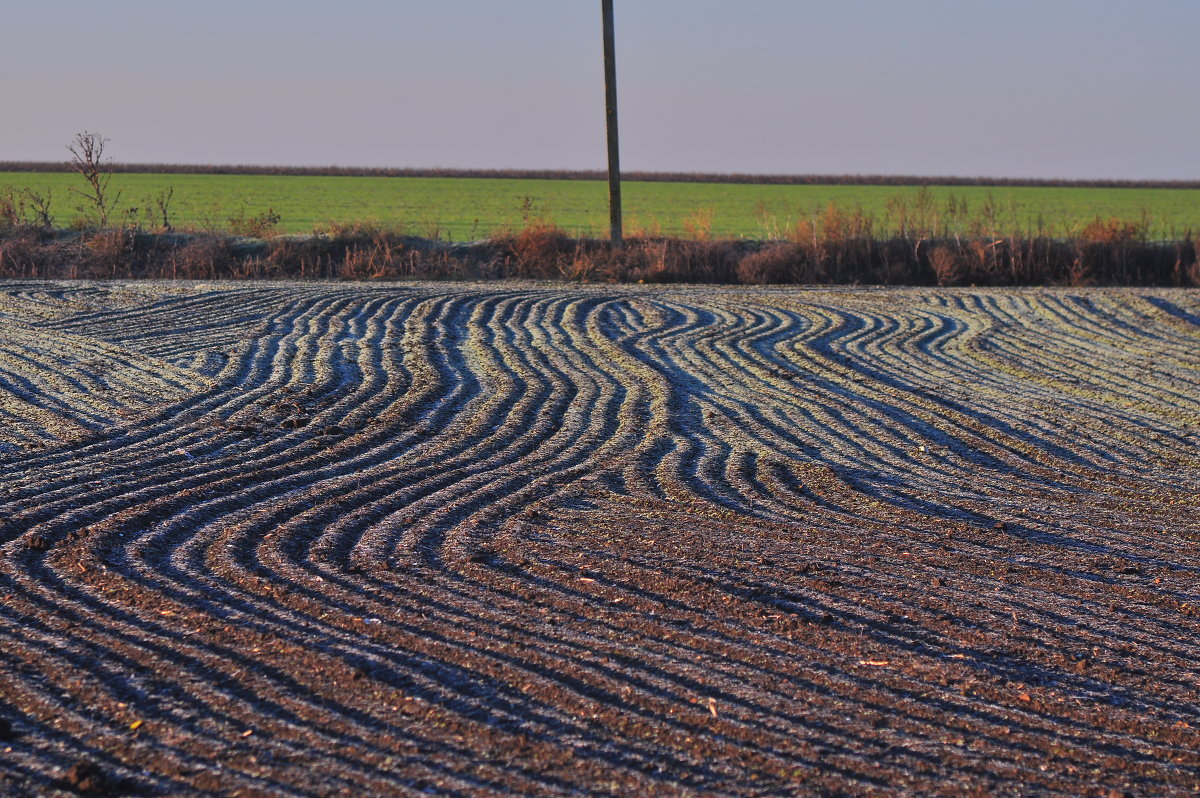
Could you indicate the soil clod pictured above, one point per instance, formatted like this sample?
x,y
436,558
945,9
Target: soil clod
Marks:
x,y
87,778
38,542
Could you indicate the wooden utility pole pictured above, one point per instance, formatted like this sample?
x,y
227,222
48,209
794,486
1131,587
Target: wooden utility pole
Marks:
x,y
610,103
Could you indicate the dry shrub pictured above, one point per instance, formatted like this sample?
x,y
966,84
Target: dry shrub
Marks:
x,y
364,263
380,260
836,225
581,268
538,249
804,232
946,264
305,258
636,227
353,231
1107,252
252,268
87,158
675,260
441,265
25,208
1079,272
388,256
775,263
1187,262
699,223
23,253
11,209
638,260
976,254
892,264
710,261
356,233
586,264
264,225
205,257
1111,231
110,253
841,246
595,260
370,251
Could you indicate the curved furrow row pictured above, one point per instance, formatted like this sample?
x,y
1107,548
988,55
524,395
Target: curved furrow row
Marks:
x,y
308,539
1043,442
989,553
259,389
173,449
1091,361
1073,484
693,592
517,370
58,387
757,394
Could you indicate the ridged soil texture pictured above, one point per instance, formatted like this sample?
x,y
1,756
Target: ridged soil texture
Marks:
x,y
300,539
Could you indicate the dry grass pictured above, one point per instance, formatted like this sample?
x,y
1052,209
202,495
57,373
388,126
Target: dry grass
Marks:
x,y
934,246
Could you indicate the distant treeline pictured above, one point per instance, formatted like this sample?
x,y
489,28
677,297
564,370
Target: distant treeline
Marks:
x,y
586,174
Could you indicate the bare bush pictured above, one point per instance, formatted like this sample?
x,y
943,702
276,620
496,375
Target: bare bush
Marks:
x,y
110,253
538,249
158,213
87,153
39,205
11,209
24,253
263,225
25,207
305,258
699,223
775,263
204,257
947,268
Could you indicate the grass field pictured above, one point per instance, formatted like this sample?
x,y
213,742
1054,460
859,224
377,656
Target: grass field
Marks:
x,y
300,539
463,209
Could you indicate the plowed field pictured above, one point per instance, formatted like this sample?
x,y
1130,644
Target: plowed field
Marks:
x,y
337,539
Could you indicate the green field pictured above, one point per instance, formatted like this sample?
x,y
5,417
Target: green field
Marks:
x,y
467,209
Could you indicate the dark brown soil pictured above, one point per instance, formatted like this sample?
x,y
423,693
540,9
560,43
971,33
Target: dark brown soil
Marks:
x,y
539,540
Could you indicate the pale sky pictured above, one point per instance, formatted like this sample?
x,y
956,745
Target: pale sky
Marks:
x,y
1019,88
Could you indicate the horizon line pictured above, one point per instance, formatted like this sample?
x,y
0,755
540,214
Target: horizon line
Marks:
x,y
751,178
